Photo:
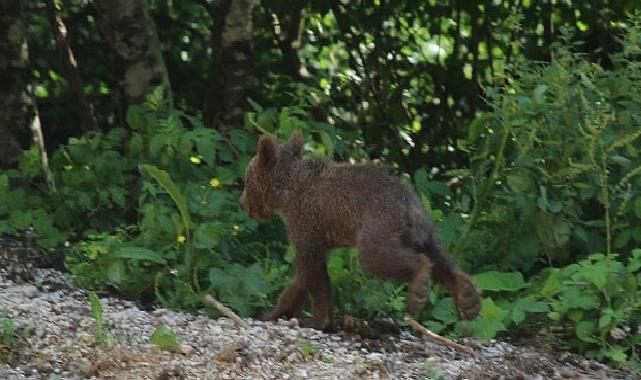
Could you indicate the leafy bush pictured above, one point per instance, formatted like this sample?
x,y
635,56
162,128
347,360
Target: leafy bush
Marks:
x,y
598,300
554,169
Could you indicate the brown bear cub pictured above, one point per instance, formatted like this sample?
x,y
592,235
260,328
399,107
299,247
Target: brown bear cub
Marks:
x,y
326,205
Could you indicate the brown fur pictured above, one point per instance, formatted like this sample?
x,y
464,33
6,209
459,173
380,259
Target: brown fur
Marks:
x,y
326,205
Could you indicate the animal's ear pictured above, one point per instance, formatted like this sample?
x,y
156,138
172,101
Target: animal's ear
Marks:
x,y
295,143
267,151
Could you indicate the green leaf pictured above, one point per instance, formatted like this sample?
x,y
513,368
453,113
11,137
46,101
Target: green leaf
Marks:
x,y
486,328
616,353
539,93
135,144
21,219
553,284
97,312
604,321
518,315
637,207
585,331
623,238
528,304
207,149
116,272
585,302
421,179
445,311
478,126
138,253
257,107
438,187
166,182
519,182
500,281
554,315
531,306
164,338
208,235
221,280
327,142
8,331
490,310
135,117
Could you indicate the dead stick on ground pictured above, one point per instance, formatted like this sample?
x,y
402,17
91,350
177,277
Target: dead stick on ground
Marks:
x,y
224,310
437,338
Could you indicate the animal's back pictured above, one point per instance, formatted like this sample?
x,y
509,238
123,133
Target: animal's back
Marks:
x,y
342,197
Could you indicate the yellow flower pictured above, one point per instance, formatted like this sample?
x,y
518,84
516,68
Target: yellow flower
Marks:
x,y
181,239
214,182
196,160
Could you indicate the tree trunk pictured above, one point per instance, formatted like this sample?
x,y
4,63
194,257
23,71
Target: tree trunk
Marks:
x,y
138,64
17,107
231,62
86,118
287,31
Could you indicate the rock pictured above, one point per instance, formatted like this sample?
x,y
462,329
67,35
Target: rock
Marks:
x,y
27,290
186,349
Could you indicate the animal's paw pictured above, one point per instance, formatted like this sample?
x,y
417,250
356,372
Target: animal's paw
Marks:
x,y
468,299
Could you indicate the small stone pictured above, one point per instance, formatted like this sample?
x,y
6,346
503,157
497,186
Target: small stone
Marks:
x,y
292,357
85,367
292,323
566,373
186,349
375,357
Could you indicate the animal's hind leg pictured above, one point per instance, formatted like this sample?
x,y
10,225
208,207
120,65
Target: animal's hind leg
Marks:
x,y
419,286
390,259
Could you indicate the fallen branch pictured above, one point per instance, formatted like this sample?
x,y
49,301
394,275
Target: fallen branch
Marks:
x,y
224,310
437,338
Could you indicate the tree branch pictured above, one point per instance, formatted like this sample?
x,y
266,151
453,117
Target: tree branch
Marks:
x,y
437,338
225,311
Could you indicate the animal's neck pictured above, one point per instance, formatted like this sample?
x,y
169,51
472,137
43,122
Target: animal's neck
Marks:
x,y
297,177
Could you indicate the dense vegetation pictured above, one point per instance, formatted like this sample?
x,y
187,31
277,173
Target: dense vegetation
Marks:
x,y
518,123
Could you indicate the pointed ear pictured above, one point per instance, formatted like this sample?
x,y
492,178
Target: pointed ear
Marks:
x,y
267,151
295,143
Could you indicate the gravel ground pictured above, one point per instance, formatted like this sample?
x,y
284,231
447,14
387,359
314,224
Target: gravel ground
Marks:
x,y
62,345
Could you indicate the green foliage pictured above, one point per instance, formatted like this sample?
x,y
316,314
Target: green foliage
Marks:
x,y
12,338
598,301
100,333
21,211
554,172
554,176
165,339
308,349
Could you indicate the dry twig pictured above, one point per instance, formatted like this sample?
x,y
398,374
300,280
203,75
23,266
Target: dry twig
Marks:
x,y
437,338
224,310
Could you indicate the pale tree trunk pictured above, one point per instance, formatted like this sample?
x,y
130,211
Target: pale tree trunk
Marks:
x,y
232,29
131,35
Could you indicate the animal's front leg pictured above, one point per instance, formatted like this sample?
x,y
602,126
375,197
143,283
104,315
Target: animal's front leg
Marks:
x,y
312,273
290,302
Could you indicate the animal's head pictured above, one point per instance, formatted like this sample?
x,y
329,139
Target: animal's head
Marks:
x,y
266,173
